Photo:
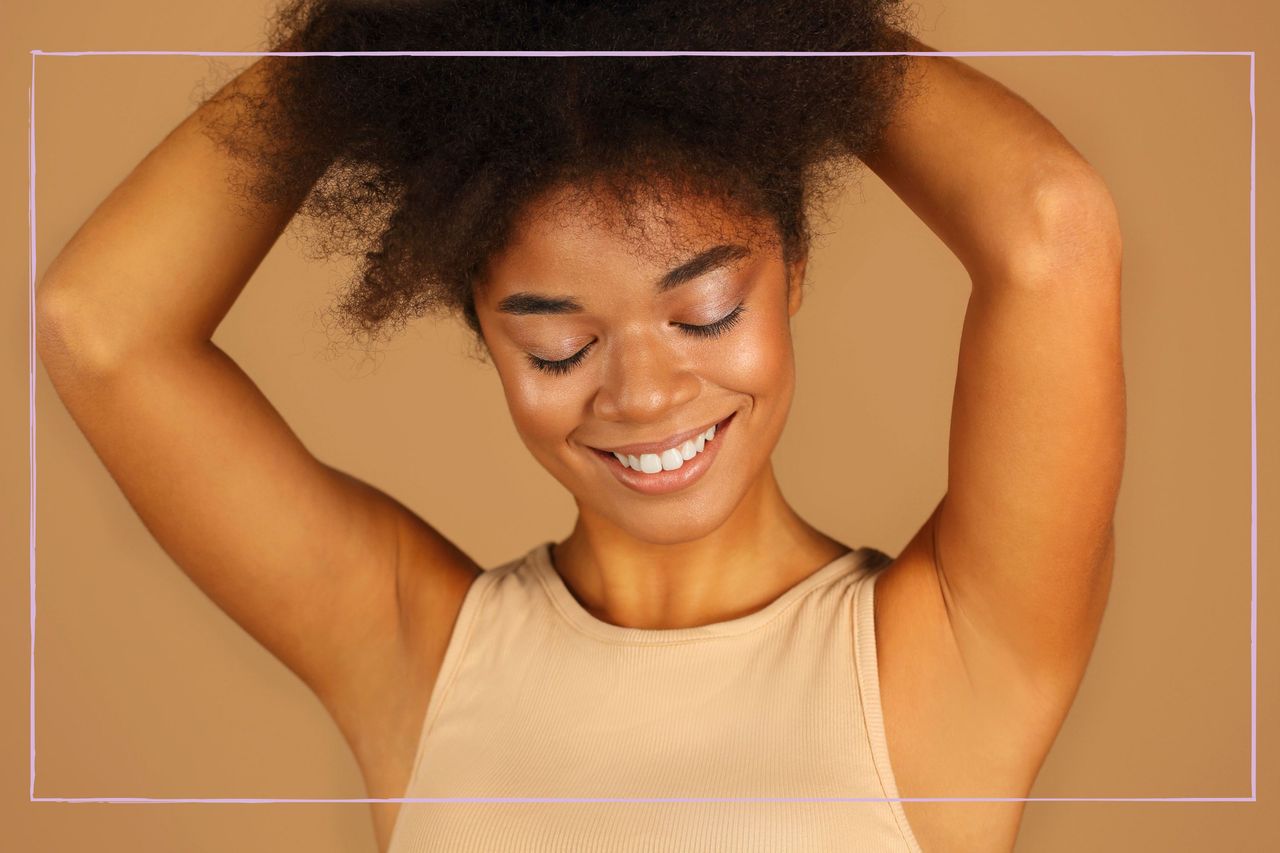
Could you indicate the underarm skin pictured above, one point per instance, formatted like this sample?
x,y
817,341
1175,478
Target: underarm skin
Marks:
x,y
1023,539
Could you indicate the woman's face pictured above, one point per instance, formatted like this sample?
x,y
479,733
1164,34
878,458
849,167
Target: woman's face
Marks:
x,y
601,347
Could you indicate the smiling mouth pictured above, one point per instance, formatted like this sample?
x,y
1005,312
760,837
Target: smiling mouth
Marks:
x,y
667,459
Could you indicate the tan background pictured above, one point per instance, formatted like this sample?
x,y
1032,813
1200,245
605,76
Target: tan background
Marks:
x,y
146,689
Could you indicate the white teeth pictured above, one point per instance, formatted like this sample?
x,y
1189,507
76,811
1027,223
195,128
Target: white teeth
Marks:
x,y
669,459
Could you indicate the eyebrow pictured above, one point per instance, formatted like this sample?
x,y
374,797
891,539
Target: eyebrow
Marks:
x,y
525,303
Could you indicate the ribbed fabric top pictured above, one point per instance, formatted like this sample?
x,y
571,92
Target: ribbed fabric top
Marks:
x,y
537,698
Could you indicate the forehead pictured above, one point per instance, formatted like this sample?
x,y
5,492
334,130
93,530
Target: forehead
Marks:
x,y
593,230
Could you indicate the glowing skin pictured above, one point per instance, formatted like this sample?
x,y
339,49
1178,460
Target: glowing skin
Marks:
x,y
725,544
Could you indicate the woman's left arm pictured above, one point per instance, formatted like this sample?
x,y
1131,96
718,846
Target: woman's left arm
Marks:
x,y
1022,541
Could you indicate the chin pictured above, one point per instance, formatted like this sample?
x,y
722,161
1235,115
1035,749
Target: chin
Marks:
x,y
672,523
666,533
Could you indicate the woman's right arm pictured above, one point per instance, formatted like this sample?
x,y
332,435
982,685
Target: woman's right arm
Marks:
x,y
309,560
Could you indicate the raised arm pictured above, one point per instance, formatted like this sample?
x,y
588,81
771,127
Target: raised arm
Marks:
x,y
1021,544
304,557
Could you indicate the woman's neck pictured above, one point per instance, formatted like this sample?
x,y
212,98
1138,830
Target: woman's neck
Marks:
x,y
763,549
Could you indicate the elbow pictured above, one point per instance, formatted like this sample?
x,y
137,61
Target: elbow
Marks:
x,y
1063,230
66,340
52,313
1078,236
1078,207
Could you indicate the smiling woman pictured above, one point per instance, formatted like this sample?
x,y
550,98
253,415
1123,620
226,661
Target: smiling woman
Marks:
x,y
639,354
627,238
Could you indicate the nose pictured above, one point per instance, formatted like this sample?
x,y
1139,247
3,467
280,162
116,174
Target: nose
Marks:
x,y
644,380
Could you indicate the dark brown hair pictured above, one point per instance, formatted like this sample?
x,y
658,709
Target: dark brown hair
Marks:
x,y
424,163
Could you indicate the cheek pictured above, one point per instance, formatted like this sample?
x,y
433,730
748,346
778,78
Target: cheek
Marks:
x,y
761,359
542,411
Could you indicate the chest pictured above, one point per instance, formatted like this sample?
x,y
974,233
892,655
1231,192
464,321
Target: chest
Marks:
x,y
774,714
646,825
776,722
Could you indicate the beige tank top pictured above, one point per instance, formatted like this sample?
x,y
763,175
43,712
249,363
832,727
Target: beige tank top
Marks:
x,y
537,699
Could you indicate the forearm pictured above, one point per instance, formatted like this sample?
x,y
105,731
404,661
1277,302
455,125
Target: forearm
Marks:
x,y
987,173
163,258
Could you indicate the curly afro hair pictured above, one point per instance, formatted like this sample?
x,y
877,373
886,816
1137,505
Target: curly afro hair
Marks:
x,y
419,166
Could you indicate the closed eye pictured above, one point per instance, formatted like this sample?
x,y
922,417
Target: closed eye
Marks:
x,y
564,365
709,330
719,327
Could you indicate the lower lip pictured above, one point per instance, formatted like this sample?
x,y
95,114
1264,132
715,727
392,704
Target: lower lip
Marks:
x,y
665,482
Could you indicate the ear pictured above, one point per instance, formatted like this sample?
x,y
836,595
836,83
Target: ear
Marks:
x,y
795,285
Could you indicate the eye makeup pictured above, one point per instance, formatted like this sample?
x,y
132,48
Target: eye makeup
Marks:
x,y
709,330
719,327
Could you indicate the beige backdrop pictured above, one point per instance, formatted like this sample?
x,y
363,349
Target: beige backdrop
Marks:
x,y
144,688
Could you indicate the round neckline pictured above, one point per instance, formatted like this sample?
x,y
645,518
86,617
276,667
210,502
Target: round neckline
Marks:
x,y
580,617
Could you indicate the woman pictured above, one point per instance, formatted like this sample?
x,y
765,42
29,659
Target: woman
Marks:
x,y
628,241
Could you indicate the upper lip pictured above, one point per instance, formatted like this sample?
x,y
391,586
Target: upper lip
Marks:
x,y
659,446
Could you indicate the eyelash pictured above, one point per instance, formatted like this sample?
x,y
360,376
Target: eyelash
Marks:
x,y
710,330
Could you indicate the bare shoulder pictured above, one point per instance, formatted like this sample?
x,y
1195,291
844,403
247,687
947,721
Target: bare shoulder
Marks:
x,y
956,725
